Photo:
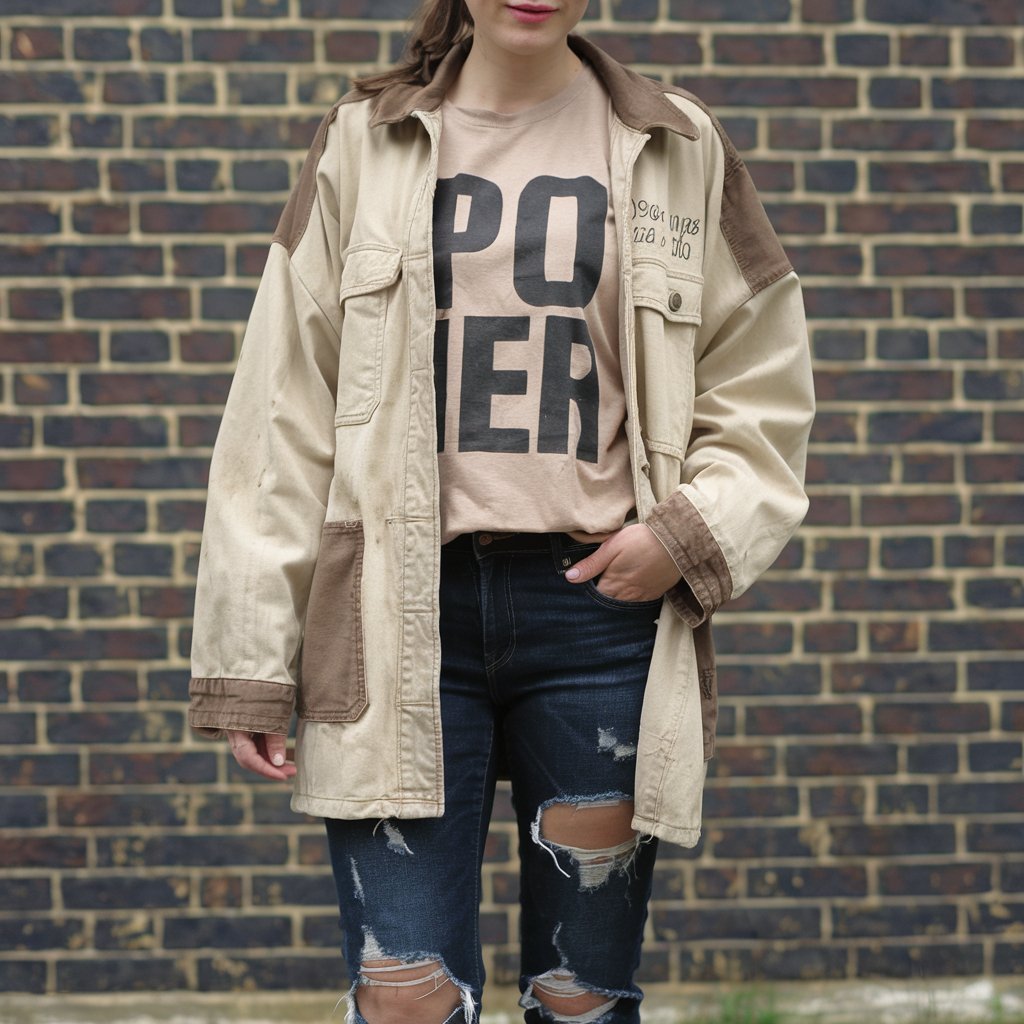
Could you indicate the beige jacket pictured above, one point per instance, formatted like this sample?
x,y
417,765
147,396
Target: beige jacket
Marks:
x,y
318,578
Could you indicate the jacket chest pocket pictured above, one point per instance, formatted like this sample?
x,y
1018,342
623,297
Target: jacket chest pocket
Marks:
x,y
367,285
667,305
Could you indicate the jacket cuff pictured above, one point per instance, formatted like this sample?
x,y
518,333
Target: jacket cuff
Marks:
x,y
706,581
249,705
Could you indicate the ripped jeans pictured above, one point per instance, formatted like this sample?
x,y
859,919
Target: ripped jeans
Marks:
x,y
545,678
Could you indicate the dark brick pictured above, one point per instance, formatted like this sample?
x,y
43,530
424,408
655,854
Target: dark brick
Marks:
x,y
910,510
776,922
862,49
746,802
839,801
842,345
1007,592
889,92
21,811
840,553
893,919
116,516
990,634
902,799
829,176
995,756
149,973
293,890
36,389
139,346
753,637
103,893
104,431
866,758
36,517
981,798
41,933
995,675
31,474
137,176
891,840
938,879
32,43
924,51
996,219
896,218
996,837
26,893
160,45
808,882
144,474
802,719
286,46
893,677
892,595
774,49
105,810
749,841
894,636
907,553
103,685
114,726
830,637
893,135
51,686
34,851
970,552
275,972
790,92
260,88
207,851
941,176
36,303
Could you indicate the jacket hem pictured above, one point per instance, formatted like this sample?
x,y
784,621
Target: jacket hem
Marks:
x,y
336,807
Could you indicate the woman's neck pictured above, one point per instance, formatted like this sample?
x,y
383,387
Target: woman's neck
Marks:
x,y
494,79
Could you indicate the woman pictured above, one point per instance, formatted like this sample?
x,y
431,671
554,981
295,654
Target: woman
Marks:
x,y
524,397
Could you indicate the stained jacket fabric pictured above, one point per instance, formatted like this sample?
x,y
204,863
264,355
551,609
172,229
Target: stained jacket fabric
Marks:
x,y
318,574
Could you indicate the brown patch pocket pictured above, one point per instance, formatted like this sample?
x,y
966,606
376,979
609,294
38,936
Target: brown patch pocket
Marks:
x,y
332,686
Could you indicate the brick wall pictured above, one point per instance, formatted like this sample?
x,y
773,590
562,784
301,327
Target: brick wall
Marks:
x,y
864,812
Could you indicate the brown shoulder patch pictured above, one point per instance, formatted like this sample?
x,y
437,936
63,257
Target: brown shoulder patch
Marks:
x,y
751,237
293,220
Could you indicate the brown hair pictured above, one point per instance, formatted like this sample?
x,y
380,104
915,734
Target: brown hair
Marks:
x,y
436,28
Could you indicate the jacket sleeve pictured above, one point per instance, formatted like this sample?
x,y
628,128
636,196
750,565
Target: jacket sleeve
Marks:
x,y
742,494
270,475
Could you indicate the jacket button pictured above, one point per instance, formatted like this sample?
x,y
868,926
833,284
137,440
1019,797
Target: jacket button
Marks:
x,y
675,300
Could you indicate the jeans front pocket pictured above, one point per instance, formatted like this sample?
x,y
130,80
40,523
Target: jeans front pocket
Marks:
x,y
613,602
332,685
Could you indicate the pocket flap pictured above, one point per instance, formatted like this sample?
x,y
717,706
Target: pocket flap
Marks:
x,y
676,295
369,268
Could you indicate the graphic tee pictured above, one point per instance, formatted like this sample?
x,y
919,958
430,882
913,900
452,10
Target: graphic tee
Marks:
x,y
530,399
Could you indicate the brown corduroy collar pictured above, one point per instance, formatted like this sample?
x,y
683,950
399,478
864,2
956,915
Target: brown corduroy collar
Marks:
x,y
639,102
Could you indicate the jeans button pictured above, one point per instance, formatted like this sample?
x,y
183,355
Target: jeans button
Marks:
x,y
485,538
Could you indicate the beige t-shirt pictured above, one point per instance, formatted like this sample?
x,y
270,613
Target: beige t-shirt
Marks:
x,y
530,400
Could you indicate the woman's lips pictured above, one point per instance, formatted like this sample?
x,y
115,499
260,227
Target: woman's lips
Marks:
x,y
531,13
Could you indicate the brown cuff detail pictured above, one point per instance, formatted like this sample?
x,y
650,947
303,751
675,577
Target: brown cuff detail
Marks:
x,y
706,581
249,705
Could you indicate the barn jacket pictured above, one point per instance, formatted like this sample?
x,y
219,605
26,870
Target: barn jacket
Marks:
x,y
317,589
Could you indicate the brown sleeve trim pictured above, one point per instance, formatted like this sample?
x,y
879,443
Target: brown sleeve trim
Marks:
x,y
292,224
706,581
250,705
747,229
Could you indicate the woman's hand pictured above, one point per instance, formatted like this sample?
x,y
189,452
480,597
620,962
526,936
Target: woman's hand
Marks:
x,y
633,565
262,752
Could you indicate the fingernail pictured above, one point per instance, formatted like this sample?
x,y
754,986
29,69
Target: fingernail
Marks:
x,y
279,759
572,574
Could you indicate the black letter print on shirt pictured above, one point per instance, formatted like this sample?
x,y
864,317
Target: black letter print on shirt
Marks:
x,y
559,388
532,236
481,226
480,380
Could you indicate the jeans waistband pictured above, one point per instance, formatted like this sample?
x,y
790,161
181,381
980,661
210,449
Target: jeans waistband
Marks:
x,y
564,549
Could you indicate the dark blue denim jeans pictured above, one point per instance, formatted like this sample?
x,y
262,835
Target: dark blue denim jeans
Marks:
x,y
547,676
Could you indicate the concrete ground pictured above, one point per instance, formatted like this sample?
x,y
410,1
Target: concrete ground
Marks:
x,y
999,1001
